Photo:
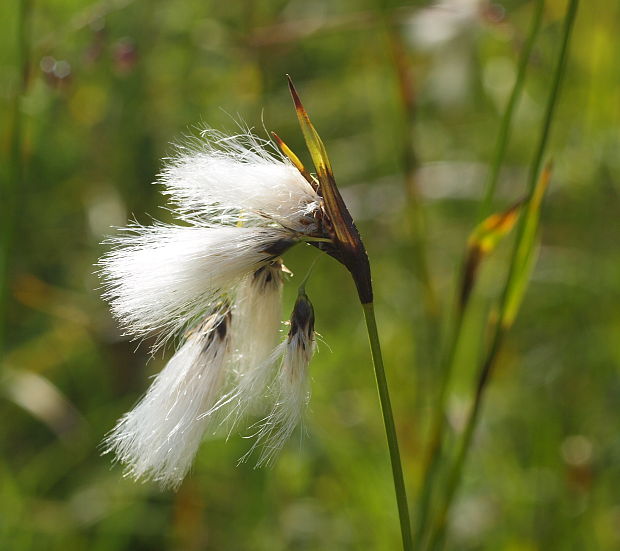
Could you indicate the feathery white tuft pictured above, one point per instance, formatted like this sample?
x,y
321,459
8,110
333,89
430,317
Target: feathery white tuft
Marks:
x,y
159,438
220,176
290,388
258,311
162,278
256,329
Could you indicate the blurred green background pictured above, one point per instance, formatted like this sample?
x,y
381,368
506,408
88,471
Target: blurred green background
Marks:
x,y
93,93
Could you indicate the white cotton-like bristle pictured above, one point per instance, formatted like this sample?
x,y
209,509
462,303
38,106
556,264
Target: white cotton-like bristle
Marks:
x,y
159,438
256,330
258,308
220,175
291,387
162,278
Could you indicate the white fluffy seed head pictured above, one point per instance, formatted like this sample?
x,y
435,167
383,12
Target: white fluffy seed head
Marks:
x,y
291,390
240,207
159,438
220,177
162,278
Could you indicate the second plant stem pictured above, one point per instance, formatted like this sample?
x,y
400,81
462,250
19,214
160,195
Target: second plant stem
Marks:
x,y
454,478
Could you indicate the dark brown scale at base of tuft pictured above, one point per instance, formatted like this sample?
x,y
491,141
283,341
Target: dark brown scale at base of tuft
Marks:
x,y
215,326
279,247
268,275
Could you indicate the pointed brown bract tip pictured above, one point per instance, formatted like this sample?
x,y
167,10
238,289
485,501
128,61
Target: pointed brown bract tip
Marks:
x,y
488,233
278,140
347,244
296,100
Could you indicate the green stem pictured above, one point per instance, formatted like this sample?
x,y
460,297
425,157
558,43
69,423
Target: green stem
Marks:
x,y
455,476
506,124
390,428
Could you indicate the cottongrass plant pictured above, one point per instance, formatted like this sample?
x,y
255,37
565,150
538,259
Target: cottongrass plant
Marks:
x,y
213,282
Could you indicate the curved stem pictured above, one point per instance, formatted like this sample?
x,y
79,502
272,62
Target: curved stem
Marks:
x,y
506,124
390,428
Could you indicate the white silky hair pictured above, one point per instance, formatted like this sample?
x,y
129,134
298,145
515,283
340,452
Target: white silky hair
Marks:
x,y
159,438
258,314
218,176
290,389
162,278
256,331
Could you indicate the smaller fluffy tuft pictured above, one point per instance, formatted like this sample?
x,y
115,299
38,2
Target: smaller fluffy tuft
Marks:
x,y
159,438
291,389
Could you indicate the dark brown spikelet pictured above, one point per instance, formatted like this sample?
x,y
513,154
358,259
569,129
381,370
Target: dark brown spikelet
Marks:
x,y
214,326
302,318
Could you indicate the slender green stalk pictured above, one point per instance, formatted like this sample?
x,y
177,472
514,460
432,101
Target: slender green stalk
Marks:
x,y
438,532
506,123
390,428
455,476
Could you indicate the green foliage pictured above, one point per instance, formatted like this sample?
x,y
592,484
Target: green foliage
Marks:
x,y
111,83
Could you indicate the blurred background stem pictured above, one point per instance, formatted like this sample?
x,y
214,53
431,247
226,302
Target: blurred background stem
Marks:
x,y
435,445
506,123
416,219
14,181
437,534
